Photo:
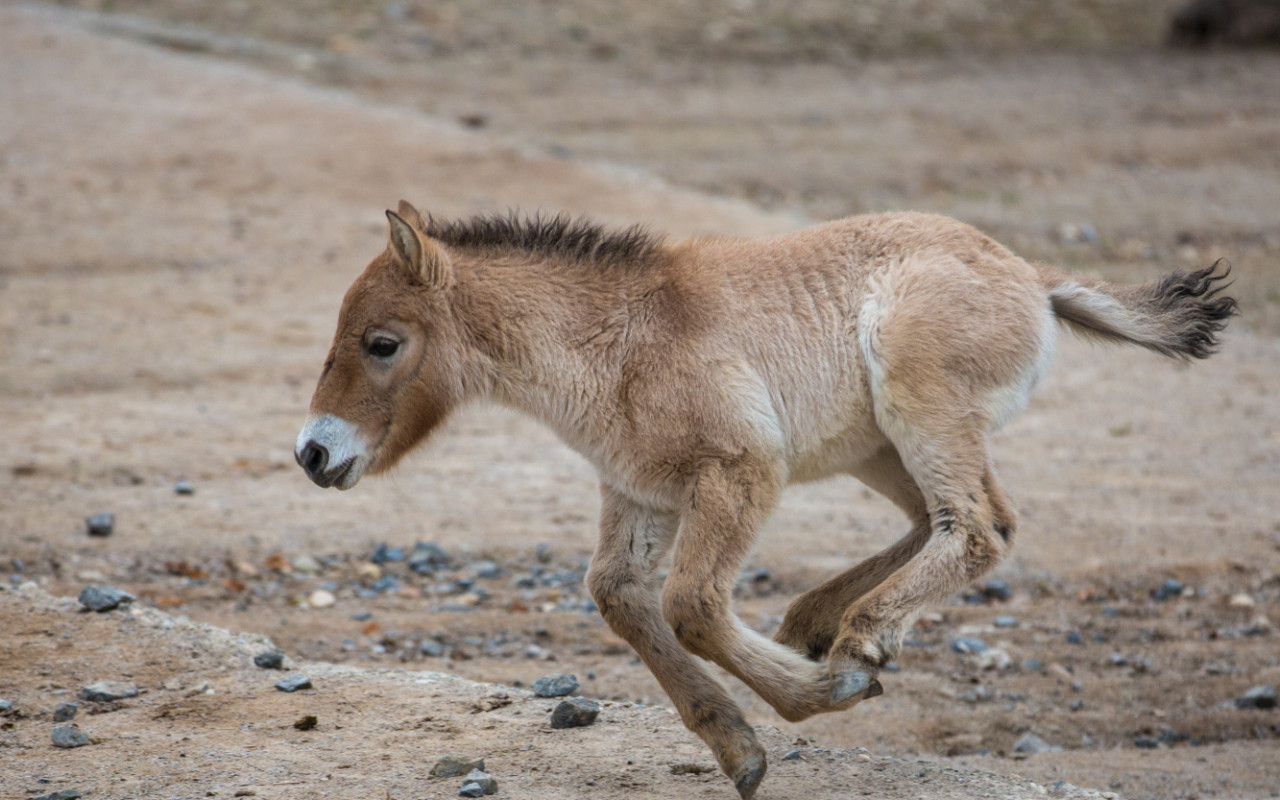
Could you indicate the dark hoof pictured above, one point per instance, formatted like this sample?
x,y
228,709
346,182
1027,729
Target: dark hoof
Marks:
x,y
749,780
856,686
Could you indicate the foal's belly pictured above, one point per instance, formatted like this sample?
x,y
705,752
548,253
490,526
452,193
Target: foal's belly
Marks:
x,y
837,454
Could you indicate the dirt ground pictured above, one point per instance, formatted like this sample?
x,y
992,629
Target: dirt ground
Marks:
x,y
180,221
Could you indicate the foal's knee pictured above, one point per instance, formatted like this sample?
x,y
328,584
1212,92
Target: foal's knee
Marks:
x,y
693,614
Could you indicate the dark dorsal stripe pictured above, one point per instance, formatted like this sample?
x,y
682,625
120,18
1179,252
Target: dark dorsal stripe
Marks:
x,y
538,235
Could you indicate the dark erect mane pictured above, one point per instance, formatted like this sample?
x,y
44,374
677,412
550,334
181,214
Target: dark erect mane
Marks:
x,y
559,236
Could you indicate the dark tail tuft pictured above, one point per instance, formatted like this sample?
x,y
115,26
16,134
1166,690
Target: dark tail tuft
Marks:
x,y
1196,308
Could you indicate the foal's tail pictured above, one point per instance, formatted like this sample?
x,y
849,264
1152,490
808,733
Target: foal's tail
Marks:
x,y
1179,316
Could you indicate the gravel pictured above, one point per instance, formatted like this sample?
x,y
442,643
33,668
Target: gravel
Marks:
x,y
104,598
1171,588
966,645
184,488
270,659
65,712
293,683
61,794
100,524
68,736
427,558
453,766
1260,697
558,685
1005,622
487,783
107,691
576,712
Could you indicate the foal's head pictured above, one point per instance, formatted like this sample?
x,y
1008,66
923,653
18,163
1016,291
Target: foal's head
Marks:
x,y
395,367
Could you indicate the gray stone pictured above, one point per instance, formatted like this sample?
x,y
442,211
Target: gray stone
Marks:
x,y
966,645
1261,697
428,558
558,685
1169,589
69,736
1031,744
65,712
293,683
1145,742
104,598
471,790
487,783
6,707
791,755
997,591
61,794
106,691
452,766
432,648
1005,622
576,712
270,659
100,524
184,488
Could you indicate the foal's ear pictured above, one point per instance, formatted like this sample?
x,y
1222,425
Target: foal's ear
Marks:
x,y
424,261
411,215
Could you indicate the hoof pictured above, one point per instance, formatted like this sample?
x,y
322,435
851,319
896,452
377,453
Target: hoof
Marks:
x,y
749,779
854,686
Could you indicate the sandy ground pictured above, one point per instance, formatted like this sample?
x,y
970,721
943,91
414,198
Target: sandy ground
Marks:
x,y
178,231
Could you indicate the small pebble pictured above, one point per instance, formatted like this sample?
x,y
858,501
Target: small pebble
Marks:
x,y
307,723
452,766
67,736
321,598
576,712
1077,704
1005,622
100,524
558,685
104,598
1031,744
65,712
1145,742
61,794
293,683
471,790
1075,638
432,648
106,691
383,554
997,590
270,659
184,488
792,755
1169,589
427,558
487,783
1260,697
6,707
966,645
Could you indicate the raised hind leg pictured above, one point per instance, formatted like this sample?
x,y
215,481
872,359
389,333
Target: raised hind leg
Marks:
x,y
813,619
623,582
728,502
971,529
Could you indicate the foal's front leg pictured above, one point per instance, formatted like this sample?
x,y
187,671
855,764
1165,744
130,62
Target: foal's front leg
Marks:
x,y
622,580
728,502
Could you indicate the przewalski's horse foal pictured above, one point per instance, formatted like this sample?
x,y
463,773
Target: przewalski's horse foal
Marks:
x,y
702,377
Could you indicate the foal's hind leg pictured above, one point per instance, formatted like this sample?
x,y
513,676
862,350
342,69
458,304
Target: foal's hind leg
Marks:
x,y
971,529
813,619
623,582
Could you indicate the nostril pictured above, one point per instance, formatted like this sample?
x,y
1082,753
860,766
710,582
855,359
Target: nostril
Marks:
x,y
314,458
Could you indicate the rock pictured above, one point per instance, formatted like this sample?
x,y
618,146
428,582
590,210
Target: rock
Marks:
x,y
576,712
558,685
61,794
995,658
100,524
305,564
996,591
65,712
432,648
103,598
452,766
471,790
966,645
1145,742
1031,744
487,783
543,553
1117,660
107,691
184,488
1260,697
382,554
321,598
6,708
1169,589
270,659
68,736
486,570
1005,622
387,583
1074,637
428,558
306,723
791,755
293,683
1241,601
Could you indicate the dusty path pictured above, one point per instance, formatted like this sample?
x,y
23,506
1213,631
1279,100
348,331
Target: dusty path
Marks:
x,y
177,235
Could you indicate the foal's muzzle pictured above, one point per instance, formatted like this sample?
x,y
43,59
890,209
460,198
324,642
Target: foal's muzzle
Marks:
x,y
331,451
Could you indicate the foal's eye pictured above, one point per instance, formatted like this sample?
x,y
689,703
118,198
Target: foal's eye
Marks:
x,y
383,347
